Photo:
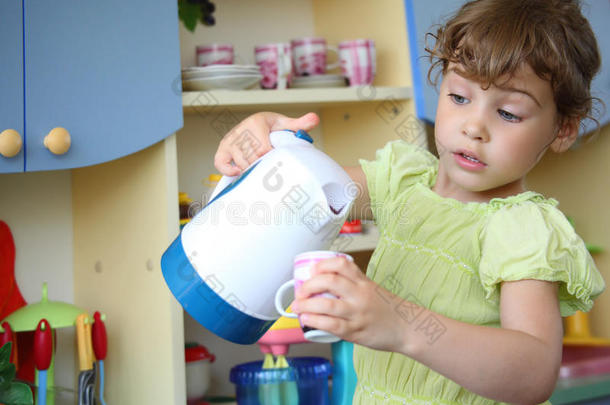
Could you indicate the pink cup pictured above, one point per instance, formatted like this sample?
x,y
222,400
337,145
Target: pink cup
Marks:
x,y
358,61
309,56
301,272
275,61
214,54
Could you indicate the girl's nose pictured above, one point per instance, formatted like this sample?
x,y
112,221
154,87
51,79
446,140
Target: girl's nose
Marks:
x,y
475,128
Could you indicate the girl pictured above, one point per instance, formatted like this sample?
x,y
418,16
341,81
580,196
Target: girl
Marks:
x,y
463,297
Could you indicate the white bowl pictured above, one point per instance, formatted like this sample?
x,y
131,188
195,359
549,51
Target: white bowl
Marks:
x,y
231,82
317,78
215,70
301,82
197,74
219,67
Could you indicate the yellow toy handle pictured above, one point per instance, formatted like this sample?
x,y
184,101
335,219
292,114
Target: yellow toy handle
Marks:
x,y
89,343
81,339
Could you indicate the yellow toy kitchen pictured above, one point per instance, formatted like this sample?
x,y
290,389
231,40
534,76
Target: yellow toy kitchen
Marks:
x,y
200,204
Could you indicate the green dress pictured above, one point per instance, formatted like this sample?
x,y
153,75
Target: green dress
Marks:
x,y
451,257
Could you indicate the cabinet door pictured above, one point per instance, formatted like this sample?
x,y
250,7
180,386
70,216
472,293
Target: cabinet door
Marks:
x,y
107,71
11,77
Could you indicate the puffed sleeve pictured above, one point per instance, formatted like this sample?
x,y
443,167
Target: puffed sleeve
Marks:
x,y
397,166
534,240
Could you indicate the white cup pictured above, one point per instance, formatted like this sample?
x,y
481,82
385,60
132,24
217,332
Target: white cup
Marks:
x,y
301,272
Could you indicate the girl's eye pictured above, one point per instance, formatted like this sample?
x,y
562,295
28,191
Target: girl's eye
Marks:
x,y
508,116
458,99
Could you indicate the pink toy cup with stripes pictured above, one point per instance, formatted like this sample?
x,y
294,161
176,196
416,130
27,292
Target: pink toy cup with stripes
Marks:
x,y
275,61
303,264
358,61
309,56
214,54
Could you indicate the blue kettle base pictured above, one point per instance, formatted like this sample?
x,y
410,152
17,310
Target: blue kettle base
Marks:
x,y
204,304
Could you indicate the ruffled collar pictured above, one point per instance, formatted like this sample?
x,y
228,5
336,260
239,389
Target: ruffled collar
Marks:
x,y
491,206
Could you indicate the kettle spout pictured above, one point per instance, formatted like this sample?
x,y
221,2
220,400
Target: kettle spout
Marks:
x,y
336,197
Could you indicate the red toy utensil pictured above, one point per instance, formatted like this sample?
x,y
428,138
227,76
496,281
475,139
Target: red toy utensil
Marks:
x,y
100,346
99,337
10,296
11,300
7,336
43,352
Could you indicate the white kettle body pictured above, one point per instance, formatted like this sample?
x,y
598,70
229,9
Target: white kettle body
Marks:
x,y
230,259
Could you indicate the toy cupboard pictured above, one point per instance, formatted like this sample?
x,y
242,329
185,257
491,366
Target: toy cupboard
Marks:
x,y
96,233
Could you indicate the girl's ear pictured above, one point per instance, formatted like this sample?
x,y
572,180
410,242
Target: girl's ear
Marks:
x,y
566,135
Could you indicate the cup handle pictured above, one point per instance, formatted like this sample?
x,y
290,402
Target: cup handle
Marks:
x,y
334,49
279,299
283,68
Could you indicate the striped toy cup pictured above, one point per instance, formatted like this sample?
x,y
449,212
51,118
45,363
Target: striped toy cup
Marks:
x,y
275,61
214,54
303,263
358,61
309,56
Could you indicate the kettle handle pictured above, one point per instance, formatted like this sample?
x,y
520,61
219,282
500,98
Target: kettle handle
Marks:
x,y
280,138
277,139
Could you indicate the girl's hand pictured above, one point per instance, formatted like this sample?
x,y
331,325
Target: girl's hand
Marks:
x,y
362,314
249,139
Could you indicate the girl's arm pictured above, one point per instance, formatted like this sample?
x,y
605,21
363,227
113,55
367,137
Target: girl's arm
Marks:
x,y
517,363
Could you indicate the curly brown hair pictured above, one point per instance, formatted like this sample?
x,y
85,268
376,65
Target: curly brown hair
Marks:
x,y
491,39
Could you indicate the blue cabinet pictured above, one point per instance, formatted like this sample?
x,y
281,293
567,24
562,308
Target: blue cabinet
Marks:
x,y
11,77
106,71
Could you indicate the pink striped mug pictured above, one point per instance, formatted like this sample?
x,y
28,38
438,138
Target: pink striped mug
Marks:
x,y
214,54
275,62
309,56
358,61
303,263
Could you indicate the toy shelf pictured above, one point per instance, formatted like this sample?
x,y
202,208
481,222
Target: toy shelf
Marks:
x,y
195,101
356,242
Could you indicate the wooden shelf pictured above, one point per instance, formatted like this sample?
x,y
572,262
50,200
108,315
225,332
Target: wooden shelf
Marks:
x,y
356,242
202,101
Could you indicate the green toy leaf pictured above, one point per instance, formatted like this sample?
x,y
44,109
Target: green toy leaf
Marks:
x,y
7,369
189,13
12,393
7,375
16,394
5,353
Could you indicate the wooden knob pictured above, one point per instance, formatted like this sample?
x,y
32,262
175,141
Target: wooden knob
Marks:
x,y
10,143
58,141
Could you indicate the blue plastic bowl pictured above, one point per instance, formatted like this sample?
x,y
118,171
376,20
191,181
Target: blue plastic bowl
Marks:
x,y
310,374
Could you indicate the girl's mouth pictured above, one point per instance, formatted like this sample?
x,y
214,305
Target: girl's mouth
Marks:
x,y
468,160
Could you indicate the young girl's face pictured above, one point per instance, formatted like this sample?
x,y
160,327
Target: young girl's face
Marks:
x,y
488,140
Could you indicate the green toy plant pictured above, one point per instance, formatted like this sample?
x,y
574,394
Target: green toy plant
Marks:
x,y
191,12
11,392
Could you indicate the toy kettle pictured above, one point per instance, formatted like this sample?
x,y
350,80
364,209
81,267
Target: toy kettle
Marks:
x,y
229,260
